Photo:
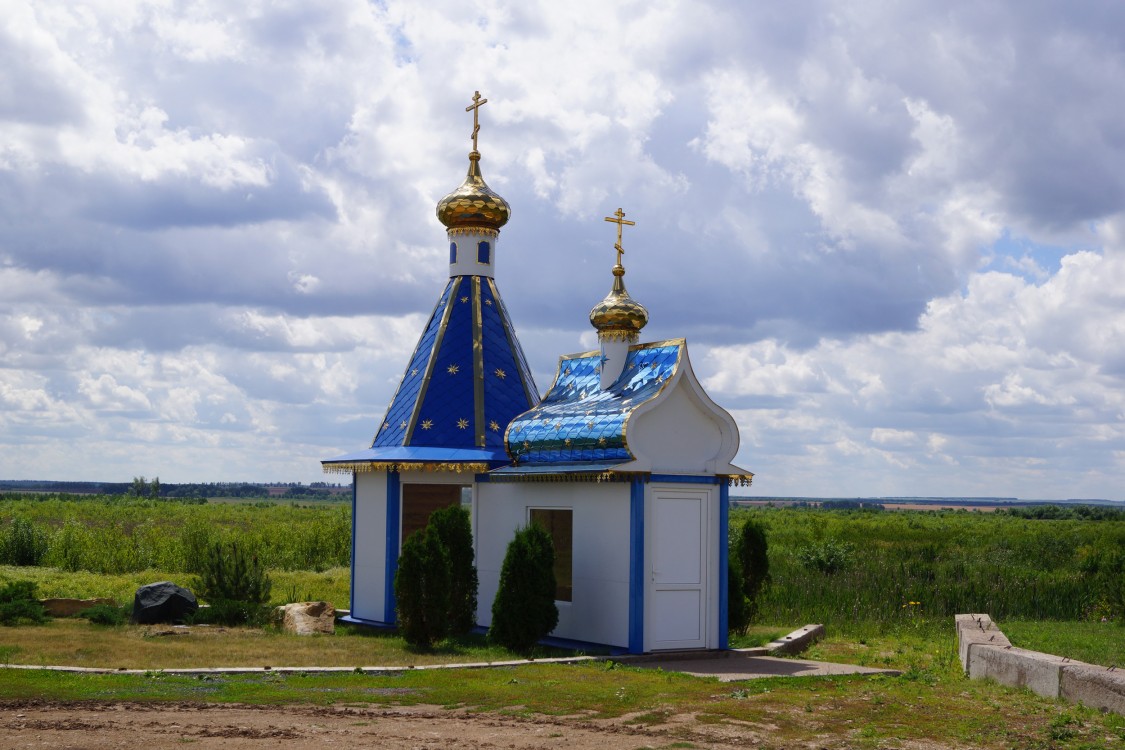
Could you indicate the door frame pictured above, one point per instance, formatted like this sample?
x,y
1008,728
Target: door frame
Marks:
x,y
708,494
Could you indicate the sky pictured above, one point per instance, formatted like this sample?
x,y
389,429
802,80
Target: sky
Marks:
x,y
893,233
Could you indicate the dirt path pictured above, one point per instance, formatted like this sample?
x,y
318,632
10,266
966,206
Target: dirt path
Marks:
x,y
131,725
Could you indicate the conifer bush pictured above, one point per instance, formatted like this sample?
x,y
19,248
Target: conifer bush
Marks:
x,y
752,552
19,604
422,589
738,608
234,582
524,609
454,531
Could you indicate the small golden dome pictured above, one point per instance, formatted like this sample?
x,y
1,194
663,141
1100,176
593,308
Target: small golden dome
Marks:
x,y
619,316
473,204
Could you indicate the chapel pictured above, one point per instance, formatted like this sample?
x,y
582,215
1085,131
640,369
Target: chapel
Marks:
x,y
625,460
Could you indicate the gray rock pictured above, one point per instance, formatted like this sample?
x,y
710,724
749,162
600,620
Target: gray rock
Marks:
x,y
162,602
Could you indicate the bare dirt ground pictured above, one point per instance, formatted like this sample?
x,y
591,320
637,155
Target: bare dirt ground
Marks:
x,y
93,726
119,725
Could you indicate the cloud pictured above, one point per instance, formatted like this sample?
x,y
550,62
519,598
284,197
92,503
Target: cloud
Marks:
x,y
891,233
1008,375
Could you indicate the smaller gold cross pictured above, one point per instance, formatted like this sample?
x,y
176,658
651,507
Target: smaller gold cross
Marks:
x,y
620,222
474,108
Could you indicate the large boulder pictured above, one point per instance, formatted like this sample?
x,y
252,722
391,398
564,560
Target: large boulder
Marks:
x,y
162,602
306,618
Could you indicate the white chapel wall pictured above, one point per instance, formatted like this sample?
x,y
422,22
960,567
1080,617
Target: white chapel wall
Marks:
x,y
370,550
676,436
599,612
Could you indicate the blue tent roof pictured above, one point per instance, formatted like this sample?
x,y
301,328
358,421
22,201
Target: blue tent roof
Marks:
x,y
466,380
577,421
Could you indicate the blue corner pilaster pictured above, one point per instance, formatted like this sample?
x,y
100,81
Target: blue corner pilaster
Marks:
x,y
636,566
351,591
394,503
724,536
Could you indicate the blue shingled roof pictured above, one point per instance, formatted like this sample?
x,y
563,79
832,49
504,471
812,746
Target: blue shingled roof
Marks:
x,y
577,421
465,381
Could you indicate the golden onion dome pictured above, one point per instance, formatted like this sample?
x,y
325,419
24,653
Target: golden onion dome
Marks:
x,y
618,315
473,204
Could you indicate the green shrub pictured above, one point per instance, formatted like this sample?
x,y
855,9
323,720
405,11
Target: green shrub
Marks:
x,y
230,613
68,547
234,582
106,614
454,530
1105,569
752,551
19,604
738,608
829,556
23,543
422,589
524,609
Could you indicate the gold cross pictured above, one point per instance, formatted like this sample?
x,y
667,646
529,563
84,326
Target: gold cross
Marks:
x,y
620,222
474,107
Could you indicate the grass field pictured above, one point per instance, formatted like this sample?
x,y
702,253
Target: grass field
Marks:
x,y
885,584
922,708
867,571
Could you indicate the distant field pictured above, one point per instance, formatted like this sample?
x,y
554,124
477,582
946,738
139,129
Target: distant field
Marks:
x,y
922,506
856,570
862,570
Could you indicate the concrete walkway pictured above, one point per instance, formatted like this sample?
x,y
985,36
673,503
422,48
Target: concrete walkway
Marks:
x,y
731,666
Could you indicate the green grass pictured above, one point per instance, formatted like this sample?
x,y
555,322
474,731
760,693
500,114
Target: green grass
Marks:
x,y
945,562
1092,642
74,642
862,712
105,534
331,585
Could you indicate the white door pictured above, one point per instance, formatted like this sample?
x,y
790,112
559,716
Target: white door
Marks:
x,y
677,611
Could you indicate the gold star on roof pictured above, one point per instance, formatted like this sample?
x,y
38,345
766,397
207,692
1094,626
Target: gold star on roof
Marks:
x,y
567,442
501,374
601,441
488,302
427,424
558,426
462,424
464,300
452,369
494,426
385,425
403,424
414,371
526,445
589,425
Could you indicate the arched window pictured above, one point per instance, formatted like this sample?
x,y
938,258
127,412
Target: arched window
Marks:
x,y
483,252
452,252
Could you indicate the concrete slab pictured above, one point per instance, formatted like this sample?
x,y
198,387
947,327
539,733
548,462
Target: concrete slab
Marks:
x,y
731,666
976,630
1018,667
797,641
1097,687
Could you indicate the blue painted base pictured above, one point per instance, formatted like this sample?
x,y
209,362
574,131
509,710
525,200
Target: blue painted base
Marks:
x,y
367,623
